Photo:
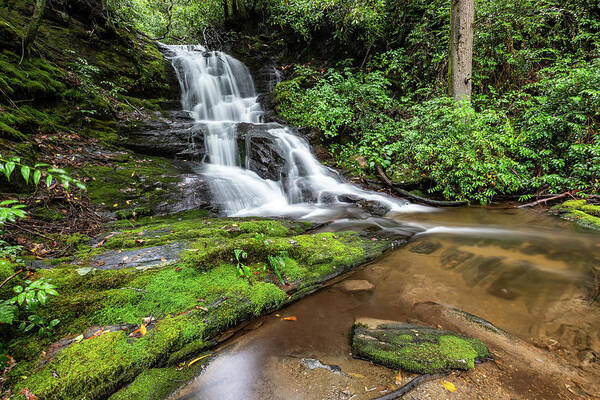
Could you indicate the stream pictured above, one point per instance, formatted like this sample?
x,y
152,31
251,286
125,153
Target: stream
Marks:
x,y
525,272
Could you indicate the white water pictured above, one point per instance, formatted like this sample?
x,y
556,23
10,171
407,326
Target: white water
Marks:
x,y
218,93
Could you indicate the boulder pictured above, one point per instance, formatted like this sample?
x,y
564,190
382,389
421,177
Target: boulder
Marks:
x,y
414,348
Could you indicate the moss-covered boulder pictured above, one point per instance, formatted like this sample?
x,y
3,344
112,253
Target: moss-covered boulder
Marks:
x,y
183,303
414,348
581,212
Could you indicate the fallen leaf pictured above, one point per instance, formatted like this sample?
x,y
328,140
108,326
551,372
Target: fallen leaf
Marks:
x,y
98,333
202,308
449,386
28,394
354,374
289,319
195,360
399,378
177,269
115,205
143,329
78,338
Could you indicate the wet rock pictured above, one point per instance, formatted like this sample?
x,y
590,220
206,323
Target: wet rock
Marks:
x,y
453,257
356,285
425,247
313,364
260,151
414,348
139,258
192,192
167,137
374,207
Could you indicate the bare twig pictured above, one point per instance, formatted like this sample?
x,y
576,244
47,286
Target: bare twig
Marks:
x,y
28,231
396,394
10,277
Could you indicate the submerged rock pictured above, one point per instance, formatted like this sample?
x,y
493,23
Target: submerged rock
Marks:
x,y
425,247
414,348
356,285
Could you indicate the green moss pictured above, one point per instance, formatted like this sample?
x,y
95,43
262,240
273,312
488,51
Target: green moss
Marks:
x,y
48,214
583,219
578,211
416,349
136,184
158,383
194,301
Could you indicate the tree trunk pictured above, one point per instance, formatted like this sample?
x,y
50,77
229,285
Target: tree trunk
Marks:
x,y
234,9
460,63
225,10
34,25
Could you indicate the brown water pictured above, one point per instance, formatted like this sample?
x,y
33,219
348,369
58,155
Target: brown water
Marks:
x,y
529,274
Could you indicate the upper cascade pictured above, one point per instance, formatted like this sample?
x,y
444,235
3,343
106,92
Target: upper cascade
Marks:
x,y
218,92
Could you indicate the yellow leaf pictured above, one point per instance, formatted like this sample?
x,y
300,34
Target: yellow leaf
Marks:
x,y
195,360
115,205
449,386
354,374
143,329
399,378
289,318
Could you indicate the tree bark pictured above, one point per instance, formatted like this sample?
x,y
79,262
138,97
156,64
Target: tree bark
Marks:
x,y
225,10
460,63
34,25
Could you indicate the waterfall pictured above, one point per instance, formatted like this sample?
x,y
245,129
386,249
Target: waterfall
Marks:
x,y
218,93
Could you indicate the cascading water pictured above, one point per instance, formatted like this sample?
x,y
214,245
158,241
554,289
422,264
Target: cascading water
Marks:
x,y
218,93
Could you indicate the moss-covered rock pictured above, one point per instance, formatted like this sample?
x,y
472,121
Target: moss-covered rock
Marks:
x,y
579,211
414,348
184,304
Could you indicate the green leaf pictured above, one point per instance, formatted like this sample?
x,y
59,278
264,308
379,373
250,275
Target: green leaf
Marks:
x,y
36,176
7,313
18,289
21,298
25,171
8,169
48,180
41,295
54,322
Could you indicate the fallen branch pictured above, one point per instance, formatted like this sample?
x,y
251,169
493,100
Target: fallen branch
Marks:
x,y
544,201
29,231
419,199
396,394
10,277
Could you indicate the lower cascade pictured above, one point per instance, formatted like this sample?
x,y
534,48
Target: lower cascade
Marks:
x,y
218,92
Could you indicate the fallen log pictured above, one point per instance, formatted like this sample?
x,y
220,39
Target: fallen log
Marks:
x,y
544,201
418,199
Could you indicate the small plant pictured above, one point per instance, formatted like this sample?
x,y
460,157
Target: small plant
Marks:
x,y
242,269
276,263
25,304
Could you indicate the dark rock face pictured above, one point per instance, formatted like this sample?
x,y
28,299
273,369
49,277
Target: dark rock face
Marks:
x,y
414,348
261,151
176,136
192,193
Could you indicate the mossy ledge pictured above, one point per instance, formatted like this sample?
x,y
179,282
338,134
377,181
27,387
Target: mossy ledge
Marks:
x,y
185,303
581,212
414,348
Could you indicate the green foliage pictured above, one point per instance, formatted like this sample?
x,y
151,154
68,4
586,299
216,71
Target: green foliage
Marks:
x,y
546,139
22,308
